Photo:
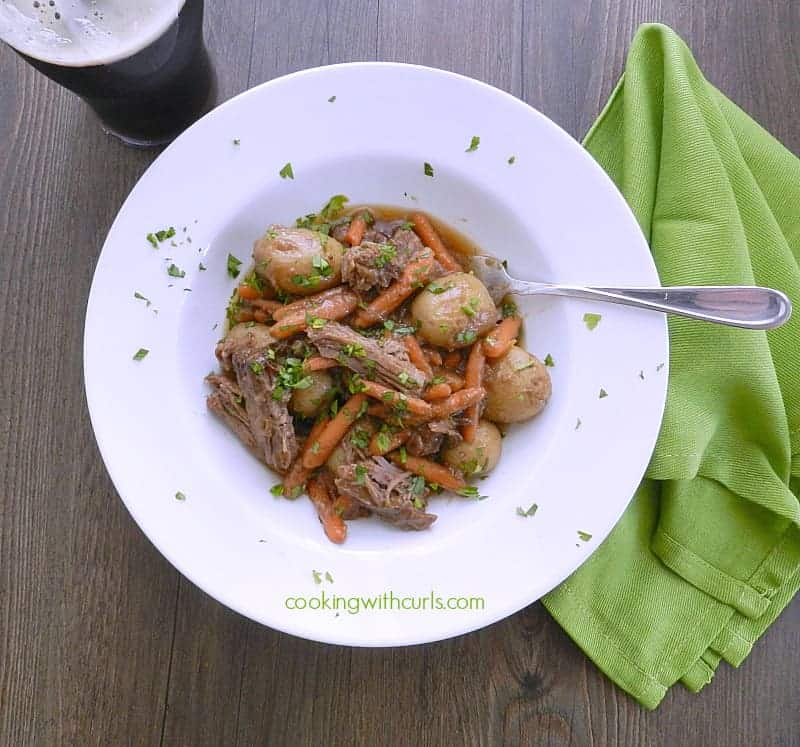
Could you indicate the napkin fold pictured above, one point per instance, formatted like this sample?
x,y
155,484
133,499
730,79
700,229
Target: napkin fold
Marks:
x,y
708,552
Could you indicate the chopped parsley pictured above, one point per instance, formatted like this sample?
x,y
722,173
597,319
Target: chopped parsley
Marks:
x,y
333,207
548,360
387,254
400,331
417,485
359,438
427,168
140,297
438,380
592,320
291,375
276,489
511,160
403,455
253,281
140,354
468,310
403,378
354,350
151,237
436,289
315,447
530,511
603,393
470,491
331,99
180,496
257,367
361,473
467,337
315,322
175,272
419,503
584,536
318,262
356,384
509,308
473,144
233,266
286,172
384,441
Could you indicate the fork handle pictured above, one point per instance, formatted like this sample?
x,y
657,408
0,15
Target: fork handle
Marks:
x,y
750,307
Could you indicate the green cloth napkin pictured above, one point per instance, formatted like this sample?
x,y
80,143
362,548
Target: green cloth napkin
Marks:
x,y
708,553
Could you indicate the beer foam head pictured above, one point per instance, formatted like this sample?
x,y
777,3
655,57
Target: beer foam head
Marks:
x,y
80,33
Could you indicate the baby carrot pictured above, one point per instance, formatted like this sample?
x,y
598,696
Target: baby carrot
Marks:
x,y
431,471
318,363
502,338
425,230
450,377
416,274
461,400
437,391
309,302
332,523
298,474
392,398
355,233
473,377
317,451
416,356
434,356
248,292
379,446
331,309
453,359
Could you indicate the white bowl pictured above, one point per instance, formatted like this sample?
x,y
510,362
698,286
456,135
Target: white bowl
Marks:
x,y
553,213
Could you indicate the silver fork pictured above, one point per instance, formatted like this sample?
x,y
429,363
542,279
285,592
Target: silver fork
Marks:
x,y
750,307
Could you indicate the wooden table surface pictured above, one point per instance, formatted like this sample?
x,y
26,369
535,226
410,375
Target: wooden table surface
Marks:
x,y
101,640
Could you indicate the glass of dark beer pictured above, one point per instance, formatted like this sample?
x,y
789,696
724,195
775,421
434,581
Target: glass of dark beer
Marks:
x,y
141,66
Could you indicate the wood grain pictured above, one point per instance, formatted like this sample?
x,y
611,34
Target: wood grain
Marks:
x,y
101,642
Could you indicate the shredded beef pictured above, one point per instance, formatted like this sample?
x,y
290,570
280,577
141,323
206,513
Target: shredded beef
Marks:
x,y
386,490
429,437
269,418
227,402
384,361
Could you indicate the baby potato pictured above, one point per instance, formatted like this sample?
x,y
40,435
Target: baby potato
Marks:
x,y
517,387
454,311
481,456
298,260
309,401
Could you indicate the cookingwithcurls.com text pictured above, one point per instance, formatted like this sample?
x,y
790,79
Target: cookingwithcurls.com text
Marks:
x,y
388,601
